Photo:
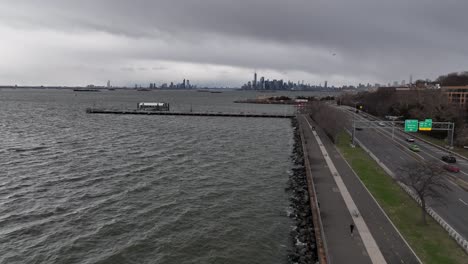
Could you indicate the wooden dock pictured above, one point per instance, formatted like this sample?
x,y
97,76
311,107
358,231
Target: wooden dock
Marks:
x,y
169,113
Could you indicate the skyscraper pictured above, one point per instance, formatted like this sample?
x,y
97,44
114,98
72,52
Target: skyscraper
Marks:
x,y
255,81
326,83
108,84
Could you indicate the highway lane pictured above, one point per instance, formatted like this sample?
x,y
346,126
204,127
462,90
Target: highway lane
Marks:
x,y
428,152
395,153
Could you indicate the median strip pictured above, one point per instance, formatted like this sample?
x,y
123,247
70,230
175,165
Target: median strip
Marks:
x,y
431,242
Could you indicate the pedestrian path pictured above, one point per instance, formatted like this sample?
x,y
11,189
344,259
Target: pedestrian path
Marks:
x,y
342,247
363,231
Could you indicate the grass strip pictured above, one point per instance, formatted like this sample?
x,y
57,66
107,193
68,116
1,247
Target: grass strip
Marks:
x,y
431,242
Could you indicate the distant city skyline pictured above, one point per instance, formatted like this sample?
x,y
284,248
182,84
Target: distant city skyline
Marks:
x,y
219,43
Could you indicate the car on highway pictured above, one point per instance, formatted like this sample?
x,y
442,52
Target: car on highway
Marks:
x,y
359,128
381,124
414,148
451,168
449,159
410,139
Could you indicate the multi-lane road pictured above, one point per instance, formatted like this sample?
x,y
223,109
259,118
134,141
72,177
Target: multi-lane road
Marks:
x,y
394,153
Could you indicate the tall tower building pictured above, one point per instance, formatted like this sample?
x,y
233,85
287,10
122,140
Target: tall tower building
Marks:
x,y
255,81
411,79
326,83
108,84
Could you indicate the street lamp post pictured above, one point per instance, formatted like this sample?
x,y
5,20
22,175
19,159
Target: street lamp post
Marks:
x,y
354,124
451,138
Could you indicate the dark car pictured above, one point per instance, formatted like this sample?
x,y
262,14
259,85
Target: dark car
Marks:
x,y
410,139
451,168
359,128
449,159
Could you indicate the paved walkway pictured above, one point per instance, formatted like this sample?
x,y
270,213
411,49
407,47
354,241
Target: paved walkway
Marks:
x,y
341,246
344,200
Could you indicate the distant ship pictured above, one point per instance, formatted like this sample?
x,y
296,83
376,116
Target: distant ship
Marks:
x,y
208,91
86,90
143,89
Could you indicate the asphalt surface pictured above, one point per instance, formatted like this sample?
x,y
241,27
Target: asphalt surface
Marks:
x,y
394,153
342,248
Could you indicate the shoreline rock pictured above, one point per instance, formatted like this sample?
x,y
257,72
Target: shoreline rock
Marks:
x,y
304,248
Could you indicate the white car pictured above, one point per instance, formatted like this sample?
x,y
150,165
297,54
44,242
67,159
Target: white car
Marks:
x,y
410,139
381,124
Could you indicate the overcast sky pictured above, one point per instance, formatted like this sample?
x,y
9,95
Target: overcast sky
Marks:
x,y
222,42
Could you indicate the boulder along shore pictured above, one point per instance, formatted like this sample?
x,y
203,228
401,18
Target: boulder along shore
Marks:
x,y
304,248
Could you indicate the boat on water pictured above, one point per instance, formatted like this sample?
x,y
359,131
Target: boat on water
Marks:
x,y
143,90
215,92
153,106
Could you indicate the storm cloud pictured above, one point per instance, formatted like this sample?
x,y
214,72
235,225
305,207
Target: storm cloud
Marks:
x,y
221,42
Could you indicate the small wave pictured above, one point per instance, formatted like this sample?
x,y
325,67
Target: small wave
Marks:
x,y
27,149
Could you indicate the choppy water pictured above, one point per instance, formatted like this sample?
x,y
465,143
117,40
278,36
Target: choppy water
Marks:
x,y
78,188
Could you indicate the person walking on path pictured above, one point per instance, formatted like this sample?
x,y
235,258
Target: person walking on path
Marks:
x,y
351,227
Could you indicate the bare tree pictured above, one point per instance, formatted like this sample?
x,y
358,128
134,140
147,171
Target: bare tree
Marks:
x,y
426,179
330,119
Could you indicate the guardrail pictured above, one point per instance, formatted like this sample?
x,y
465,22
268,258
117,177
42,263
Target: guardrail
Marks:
x,y
450,230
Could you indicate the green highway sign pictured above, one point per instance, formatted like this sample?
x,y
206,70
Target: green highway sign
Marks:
x,y
411,125
425,125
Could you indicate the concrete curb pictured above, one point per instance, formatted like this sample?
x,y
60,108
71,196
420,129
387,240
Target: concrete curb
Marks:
x,y
450,230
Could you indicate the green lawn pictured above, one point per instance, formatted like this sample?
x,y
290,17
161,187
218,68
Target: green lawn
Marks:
x,y
431,243
443,143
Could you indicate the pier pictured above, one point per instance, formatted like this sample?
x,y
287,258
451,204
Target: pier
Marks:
x,y
169,113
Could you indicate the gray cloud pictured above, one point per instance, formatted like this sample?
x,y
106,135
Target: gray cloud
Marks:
x,y
377,41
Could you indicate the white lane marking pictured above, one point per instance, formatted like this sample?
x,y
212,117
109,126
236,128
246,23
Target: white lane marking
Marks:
x,y
368,240
455,185
463,202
